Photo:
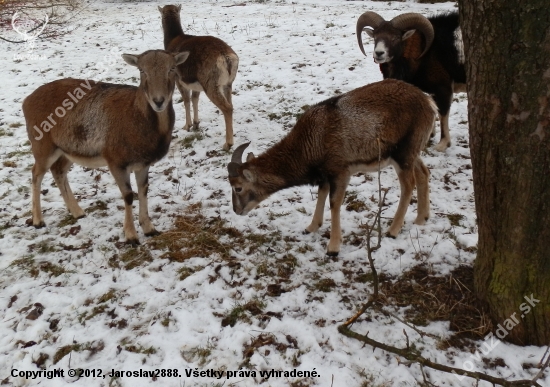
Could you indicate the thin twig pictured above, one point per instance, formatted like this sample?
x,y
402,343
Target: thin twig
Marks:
x,y
547,352
426,381
371,249
420,332
543,364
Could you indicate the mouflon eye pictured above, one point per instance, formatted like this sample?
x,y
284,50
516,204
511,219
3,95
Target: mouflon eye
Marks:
x,y
238,189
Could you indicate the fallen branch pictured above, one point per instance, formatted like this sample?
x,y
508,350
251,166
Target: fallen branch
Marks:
x,y
414,356
409,353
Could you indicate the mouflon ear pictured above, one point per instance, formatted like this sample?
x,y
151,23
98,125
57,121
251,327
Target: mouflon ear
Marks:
x,y
408,34
249,175
130,59
181,57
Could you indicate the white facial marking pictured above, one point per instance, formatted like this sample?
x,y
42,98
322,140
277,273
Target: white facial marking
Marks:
x,y
380,53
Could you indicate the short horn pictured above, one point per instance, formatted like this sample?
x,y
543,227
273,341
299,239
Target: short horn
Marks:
x,y
368,19
238,153
409,21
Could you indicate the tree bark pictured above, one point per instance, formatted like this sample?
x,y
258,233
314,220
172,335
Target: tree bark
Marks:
x,y
507,49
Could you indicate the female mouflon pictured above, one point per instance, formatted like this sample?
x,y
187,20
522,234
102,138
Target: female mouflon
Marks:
x,y
96,124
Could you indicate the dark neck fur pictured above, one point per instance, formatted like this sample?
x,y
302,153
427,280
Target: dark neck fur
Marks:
x,y
398,68
287,164
172,28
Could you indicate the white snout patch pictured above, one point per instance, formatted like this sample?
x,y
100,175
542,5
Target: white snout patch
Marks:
x,y
381,53
163,106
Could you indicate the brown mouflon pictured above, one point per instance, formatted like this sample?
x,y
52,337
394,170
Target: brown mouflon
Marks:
x,y
211,67
338,138
97,124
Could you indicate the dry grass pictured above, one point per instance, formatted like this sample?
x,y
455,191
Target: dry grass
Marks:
x,y
242,311
195,235
354,204
199,354
34,268
93,347
268,340
433,298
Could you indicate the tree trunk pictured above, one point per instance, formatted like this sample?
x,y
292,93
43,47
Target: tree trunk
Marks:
x,y
507,49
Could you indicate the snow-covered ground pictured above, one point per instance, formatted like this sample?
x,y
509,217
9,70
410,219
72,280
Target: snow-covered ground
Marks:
x,y
104,306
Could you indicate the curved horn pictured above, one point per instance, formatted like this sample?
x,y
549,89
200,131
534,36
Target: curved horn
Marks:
x,y
238,153
408,21
368,19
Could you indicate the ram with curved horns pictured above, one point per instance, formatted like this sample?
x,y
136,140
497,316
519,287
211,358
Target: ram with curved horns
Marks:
x,y
426,52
